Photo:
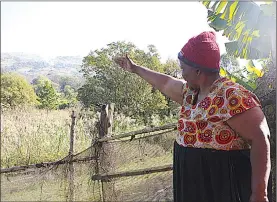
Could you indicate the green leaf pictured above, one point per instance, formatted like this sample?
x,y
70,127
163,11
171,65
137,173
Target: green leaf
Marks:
x,y
256,33
210,14
218,24
241,82
252,68
265,24
262,46
238,30
269,9
222,72
258,48
220,7
233,8
214,5
206,3
225,14
227,32
240,10
251,15
246,25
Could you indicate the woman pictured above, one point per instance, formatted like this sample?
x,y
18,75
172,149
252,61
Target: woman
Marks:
x,y
222,150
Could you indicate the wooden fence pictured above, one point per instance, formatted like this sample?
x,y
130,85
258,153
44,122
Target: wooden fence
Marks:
x,y
103,163
104,172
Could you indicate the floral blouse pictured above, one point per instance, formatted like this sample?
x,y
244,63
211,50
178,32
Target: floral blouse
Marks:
x,y
203,125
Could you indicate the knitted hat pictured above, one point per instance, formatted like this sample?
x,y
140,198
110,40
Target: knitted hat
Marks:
x,y
202,52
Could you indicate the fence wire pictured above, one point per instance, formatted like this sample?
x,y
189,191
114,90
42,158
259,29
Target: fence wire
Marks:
x,y
50,184
124,177
74,181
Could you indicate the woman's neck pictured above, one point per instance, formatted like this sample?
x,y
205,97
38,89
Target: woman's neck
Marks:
x,y
205,86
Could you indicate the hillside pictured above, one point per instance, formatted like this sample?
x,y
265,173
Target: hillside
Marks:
x,y
32,66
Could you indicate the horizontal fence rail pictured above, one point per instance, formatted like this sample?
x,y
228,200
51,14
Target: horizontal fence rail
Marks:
x,y
138,132
143,137
45,164
108,176
100,153
168,127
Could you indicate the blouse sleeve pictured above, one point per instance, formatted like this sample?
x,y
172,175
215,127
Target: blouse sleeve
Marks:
x,y
238,100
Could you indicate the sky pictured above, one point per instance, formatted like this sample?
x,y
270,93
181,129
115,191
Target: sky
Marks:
x,y
53,29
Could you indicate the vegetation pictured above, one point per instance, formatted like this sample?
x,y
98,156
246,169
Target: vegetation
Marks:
x,y
35,116
249,27
47,94
16,91
25,128
251,30
35,135
136,102
105,82
31,66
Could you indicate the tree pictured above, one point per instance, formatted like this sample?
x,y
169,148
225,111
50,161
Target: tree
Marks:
x,y
69,97
16,91
48,96
73,81
172,68
106,82
40,80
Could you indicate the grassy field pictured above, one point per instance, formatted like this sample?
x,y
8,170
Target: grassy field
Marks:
x,y
33,136
51,186
54,186
137,154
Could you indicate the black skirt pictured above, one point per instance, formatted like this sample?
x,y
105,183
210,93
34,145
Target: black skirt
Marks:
x,y
208,175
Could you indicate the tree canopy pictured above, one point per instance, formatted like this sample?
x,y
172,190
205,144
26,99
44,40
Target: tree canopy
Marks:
x,y
106,82
16,91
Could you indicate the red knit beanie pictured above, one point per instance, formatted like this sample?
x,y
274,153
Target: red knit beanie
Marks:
x,y
202,51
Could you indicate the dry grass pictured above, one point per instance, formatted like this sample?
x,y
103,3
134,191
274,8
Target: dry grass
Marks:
x,y
141,154
33,136
51,186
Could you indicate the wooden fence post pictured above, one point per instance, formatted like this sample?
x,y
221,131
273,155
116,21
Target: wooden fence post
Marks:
x,y
105,155
71,167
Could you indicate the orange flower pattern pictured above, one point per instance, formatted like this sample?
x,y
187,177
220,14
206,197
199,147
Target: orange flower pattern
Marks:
x,y
203,125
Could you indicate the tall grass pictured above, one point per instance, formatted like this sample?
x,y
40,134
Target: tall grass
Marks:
x,y
33,135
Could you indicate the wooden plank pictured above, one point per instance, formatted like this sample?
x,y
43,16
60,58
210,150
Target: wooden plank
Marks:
x,y
139,138
142,131
45,164
108,176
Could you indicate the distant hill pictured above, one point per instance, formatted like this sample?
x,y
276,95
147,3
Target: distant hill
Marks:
x,y
31,66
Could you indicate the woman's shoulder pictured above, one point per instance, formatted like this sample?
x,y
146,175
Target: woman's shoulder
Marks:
x,y
235,98
227,87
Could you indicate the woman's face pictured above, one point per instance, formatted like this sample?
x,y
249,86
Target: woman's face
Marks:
x,y
190,75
